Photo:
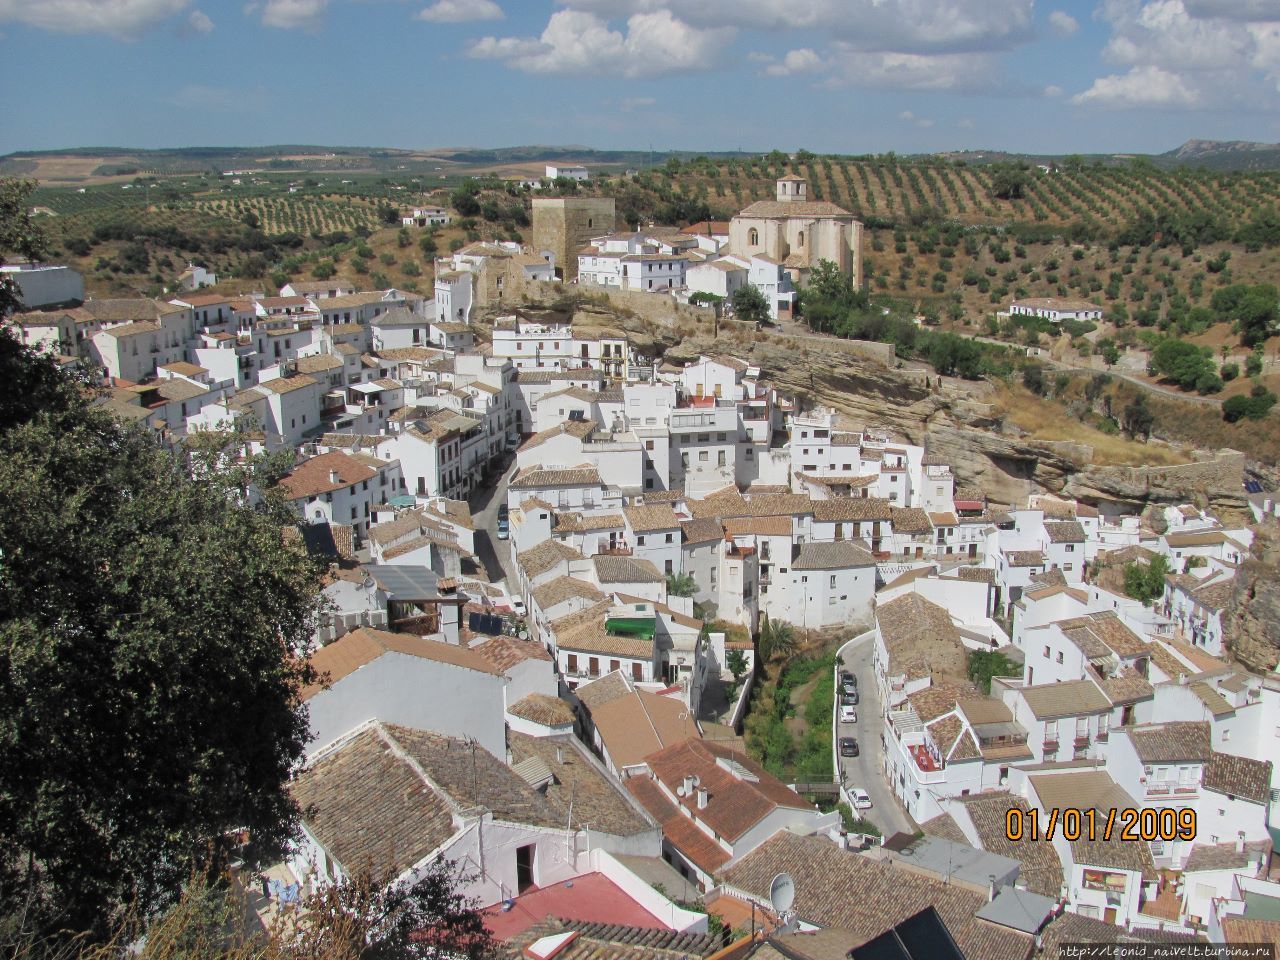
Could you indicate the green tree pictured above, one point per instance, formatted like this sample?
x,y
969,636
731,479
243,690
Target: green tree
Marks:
x,y
1008,182
681,585
777,639
151,633
750,304
323,270
1145,581
17,235
428,245
371,920
1137,418
985,664
736,661
1033,378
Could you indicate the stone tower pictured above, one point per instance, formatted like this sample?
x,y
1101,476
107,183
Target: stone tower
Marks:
x,y
793,189
563,226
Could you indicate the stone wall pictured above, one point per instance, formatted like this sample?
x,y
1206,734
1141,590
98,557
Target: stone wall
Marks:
x,y
563,226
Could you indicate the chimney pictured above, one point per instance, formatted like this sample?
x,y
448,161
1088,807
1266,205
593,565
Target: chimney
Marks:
x,y
702,798
333,476
688,784
991,887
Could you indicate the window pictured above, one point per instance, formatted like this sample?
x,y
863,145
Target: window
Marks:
x,y
800,239
669,567
1071,548
353,513
720,458
753,236
640,540
750,454
636,673
670,538
648,444
833,581
1058,658
703,456
614,665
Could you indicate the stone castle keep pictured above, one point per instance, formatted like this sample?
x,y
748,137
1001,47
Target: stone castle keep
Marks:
x,y
564,225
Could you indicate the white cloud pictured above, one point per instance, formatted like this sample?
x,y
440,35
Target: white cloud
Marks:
x,y
579,42
956,72
461,11
924,123
294,14
120,18
1145,86
796,61
1063,24
1053,90
966,123
1232,9
199,22
1194,58
910,26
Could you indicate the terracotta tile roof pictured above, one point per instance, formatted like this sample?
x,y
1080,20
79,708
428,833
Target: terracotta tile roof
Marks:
x,y
974,574
1225,856
756,526
581,782
599,692
315,476
545,556
571,522
611,569
1073,698
1076,928
1198,538
920,638
740,792
1097,633
722,505
658,516
785,210
1216,595
125,311
839,555
1094,790
1238,776
1241,930
409,523
678,829
540,708
939,698
503,653
370,809
839,509
1041,866
841,889
641,723
581,429
363,645
702,530
1067,532
321,363
601,941
1177,741
1214,702
909,520
565,588
1024,558
536,476
1127,688
945,827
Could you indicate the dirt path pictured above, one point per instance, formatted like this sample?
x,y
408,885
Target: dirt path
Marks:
x,y
797,726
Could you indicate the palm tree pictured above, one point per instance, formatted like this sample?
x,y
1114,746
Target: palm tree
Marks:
x,y
681,585
777,638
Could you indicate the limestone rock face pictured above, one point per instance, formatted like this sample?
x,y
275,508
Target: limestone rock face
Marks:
x,y
1251,622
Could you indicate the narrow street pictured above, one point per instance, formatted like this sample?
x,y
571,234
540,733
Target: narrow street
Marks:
x,y
495,554
867,769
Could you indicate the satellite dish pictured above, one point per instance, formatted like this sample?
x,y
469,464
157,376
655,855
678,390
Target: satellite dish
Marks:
x,y
782,893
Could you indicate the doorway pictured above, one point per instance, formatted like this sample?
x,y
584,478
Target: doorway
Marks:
x,y
524,867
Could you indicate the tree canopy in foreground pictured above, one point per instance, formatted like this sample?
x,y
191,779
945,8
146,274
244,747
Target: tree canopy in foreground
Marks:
x,y
149,625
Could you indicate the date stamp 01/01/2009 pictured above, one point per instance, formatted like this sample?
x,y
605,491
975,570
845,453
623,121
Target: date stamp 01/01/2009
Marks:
x,y
1168,823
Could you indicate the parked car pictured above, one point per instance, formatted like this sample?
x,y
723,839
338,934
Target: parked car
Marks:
x,y
848,715
849,698
504,512
861,801
847,677
504,528
848,747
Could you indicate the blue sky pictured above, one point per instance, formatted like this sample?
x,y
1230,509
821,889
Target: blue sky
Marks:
x,y
848,76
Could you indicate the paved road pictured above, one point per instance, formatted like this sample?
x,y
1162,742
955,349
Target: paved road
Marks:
x,y
495,554
867,769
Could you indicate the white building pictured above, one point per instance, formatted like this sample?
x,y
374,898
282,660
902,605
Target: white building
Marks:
x,y
1056,309
45,284
567,171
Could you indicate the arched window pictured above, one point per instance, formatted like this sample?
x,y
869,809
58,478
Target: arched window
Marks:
x,y
753,236
800,239
589,222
